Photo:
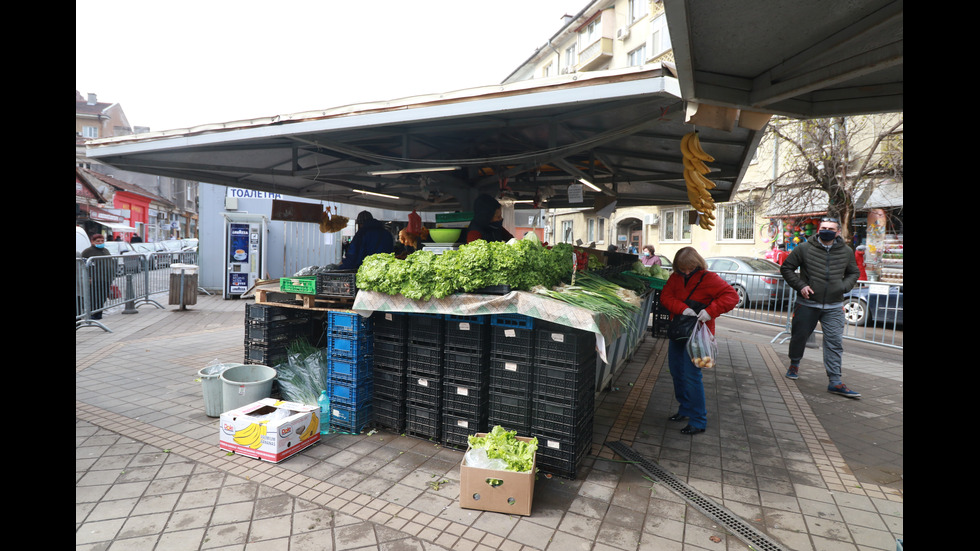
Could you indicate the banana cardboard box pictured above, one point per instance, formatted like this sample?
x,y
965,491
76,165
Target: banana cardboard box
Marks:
x,y
270,429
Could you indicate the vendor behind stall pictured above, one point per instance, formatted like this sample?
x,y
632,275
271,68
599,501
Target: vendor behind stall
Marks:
x,y
487,223
370,238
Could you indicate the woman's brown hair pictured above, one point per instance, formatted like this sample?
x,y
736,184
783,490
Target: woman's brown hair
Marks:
x,y
687,259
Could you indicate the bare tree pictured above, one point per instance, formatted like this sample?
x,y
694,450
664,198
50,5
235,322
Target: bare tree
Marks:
x,y
842,157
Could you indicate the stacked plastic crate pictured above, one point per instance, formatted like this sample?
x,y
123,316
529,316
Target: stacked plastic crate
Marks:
x,y
466,378
423,404
563,404
350,372
511,367
270,329
390,369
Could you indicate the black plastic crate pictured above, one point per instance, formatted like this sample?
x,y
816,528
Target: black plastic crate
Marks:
x,y
511,411
426,329
457,428
462,398
422,421
423,389
467,336
389,414
269,355
390,384
282,331
466,366
511,375
562,418
390,325
511,342
562,384
562,343
337,284
270,313
561,455
424,359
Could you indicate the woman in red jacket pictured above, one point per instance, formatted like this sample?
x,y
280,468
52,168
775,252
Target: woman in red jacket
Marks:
x,y
712,296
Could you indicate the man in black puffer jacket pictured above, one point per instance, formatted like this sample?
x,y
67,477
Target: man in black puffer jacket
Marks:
x,y
827,270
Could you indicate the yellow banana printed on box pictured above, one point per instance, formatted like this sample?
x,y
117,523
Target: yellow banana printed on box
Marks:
x,y
251,436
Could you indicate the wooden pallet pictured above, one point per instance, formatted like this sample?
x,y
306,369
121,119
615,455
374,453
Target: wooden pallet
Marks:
x,y
265,295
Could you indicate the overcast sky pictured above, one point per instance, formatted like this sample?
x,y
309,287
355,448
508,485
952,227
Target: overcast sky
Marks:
x,y
182,63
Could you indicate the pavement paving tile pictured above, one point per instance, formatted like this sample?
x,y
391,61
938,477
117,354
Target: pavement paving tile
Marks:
x,y
808,470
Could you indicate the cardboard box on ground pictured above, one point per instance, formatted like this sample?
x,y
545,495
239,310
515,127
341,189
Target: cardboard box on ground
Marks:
x,y
270,429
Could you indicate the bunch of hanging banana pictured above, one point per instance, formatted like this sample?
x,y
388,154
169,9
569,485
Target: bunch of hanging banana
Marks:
x,y
698,185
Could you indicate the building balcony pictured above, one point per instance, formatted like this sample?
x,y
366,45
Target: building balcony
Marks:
x,y
595,55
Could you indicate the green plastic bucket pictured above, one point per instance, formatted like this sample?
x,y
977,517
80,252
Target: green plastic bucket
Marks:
x,y
244,384
211,387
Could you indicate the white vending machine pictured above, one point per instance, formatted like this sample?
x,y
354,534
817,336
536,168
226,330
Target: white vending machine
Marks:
x,y
245,241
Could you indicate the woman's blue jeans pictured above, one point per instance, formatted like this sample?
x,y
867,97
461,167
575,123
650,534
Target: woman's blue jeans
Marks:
x,y
688,385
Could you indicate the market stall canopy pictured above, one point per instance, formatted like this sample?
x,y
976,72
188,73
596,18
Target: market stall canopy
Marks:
x,y
797,58
619,130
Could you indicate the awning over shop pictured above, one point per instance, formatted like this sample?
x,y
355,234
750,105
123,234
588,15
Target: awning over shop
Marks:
x,y
618,130
117,228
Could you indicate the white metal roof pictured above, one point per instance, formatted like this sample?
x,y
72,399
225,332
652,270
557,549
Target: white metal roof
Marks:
x,y
620,129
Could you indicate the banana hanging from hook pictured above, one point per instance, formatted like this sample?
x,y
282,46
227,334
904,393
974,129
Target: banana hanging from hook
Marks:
x,y
694,158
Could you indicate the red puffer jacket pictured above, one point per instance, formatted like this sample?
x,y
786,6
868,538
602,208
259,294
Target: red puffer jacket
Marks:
x,y
714,291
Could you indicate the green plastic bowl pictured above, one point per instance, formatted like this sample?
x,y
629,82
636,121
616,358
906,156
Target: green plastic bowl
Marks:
x,y
444,235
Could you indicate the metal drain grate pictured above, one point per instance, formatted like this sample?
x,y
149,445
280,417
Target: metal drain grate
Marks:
x,y
735,525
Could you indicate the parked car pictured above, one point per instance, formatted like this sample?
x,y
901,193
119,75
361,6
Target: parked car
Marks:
x,y
870,303
756,280
190,245
150,250
173,245
82,241
123,249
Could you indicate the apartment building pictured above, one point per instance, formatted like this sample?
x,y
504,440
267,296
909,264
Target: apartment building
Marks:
x,y
616,34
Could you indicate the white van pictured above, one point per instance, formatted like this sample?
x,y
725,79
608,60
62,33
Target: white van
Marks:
x,y
82,241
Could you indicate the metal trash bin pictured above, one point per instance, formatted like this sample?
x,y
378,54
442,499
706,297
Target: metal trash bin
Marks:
x,y
183,284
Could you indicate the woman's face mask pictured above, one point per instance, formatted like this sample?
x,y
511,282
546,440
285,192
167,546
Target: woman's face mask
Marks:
x,y
646,253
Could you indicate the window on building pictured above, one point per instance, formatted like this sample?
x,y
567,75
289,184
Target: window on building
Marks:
x,y
590,230
659,38
637,9
90,131
638,56
546,72
570,59
602,230
566,231
591,32
735,222
674,225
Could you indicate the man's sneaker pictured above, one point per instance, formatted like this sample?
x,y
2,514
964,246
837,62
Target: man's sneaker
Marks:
x,y
843,391
793,373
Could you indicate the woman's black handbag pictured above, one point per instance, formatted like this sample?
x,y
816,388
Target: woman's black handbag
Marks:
x,y
681,326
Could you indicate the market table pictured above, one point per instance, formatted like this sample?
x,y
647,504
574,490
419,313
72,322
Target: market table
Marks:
x,y
614,343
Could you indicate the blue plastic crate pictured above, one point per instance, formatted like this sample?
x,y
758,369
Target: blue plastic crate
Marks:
x,y
351,371
512,320
351,394
352,419
347,323
350,348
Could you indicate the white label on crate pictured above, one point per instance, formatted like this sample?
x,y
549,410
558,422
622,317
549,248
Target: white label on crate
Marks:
x,y
388,317
423,382
554,444
464,326
510,366
558,337
463,423
336,413
462,391
510,333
